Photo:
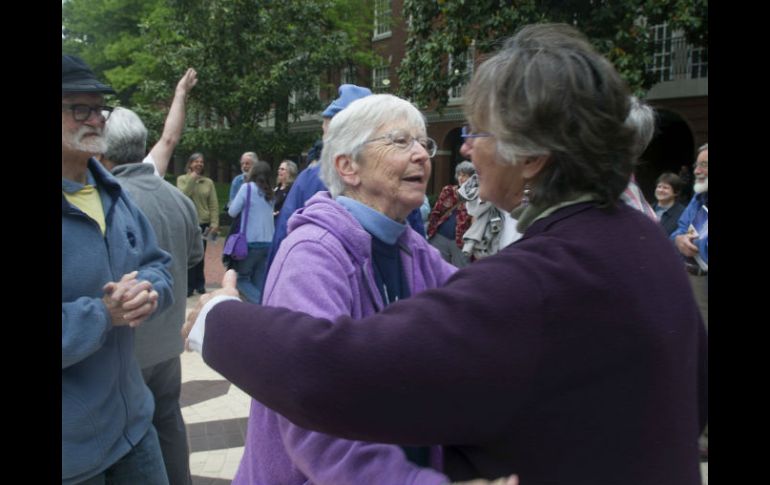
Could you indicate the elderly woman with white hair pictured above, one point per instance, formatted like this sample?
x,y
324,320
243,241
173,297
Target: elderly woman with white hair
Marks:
x,y
574,355
350,252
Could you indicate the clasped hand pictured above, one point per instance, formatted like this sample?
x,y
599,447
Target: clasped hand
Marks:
x,y
130,301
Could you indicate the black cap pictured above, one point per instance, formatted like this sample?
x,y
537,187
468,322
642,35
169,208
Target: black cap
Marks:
x,y
77,77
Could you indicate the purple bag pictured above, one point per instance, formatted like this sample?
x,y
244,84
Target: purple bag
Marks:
x,y
236,245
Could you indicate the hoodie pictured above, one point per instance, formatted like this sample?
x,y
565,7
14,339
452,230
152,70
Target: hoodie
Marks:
x,y
324,267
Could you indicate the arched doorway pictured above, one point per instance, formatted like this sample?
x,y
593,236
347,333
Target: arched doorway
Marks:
x,y
451,144
672,147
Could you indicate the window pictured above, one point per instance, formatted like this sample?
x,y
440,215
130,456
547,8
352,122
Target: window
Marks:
x,y
380,79
348,75
382,12
674,58
461,65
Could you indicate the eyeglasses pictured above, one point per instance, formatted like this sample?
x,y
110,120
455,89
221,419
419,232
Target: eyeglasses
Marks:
x,y
81,112
701,164
404,141
466,133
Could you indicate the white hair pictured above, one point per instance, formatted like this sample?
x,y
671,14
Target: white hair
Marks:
x,y
126,137
352,127
642,119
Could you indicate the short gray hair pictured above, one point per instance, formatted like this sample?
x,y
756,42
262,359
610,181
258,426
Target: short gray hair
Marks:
x,y
642,119
353,126
703,147
465,167
126,137
252,155
548,92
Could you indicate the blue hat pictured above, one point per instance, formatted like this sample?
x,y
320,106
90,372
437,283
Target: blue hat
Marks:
x,y
348,94
77,77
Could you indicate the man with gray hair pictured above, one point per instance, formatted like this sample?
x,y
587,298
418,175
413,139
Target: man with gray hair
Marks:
x,y
248,159
691,236
158,344
692,240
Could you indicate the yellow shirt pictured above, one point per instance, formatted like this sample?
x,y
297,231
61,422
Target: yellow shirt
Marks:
x,y
87,199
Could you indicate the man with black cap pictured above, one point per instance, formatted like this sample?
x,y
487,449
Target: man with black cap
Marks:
x,y
114,276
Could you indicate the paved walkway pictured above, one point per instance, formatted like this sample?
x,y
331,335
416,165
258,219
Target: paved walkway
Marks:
x,y
214,410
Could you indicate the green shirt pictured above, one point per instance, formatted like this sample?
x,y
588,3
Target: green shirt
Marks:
x,y
203,195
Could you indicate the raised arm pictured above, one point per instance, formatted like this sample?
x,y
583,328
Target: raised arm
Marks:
x,y
172,130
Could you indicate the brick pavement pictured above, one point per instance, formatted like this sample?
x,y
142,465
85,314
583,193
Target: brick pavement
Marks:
x,y
213,267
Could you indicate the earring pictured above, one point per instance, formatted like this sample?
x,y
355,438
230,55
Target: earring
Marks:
x,y
527,193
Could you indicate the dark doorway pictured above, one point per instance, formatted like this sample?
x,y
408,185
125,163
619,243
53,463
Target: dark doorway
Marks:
x,y
671,147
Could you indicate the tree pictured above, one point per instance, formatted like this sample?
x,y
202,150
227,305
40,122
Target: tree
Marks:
x,y
257,62
442,28
111,37
265,60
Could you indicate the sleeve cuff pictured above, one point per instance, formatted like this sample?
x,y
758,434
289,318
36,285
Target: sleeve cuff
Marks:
x,y
197,334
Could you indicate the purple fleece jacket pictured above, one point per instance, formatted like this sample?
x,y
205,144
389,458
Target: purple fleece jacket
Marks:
x,y
576,355
324,268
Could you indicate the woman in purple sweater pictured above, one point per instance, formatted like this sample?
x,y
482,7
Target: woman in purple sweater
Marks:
x,y
551,359
349,252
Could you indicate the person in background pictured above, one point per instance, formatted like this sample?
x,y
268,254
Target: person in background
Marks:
x,y
161,152
247,160
691,235
482,238
550,359
449,219
287,173
667,208
692,240
157,343
201,190
642,120
685,173
259,228
106,409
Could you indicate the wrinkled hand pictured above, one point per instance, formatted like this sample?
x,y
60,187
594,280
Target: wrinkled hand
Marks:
x,y
685,245
187,82
512,480
229,281
129,301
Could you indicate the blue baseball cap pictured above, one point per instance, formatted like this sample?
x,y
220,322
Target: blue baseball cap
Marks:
x,y
348,94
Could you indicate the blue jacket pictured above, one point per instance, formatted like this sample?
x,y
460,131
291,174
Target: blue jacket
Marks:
x,y
235,186
106,407
687,217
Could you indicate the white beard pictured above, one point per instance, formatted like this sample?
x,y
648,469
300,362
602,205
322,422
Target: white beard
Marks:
x,y
92,144
701,187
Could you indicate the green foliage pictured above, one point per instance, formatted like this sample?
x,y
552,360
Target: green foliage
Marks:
x,y
257,61
449,27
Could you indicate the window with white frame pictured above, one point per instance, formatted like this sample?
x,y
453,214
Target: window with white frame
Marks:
x,y
348,75
296,97
381,79
382,14
461,65
674,58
